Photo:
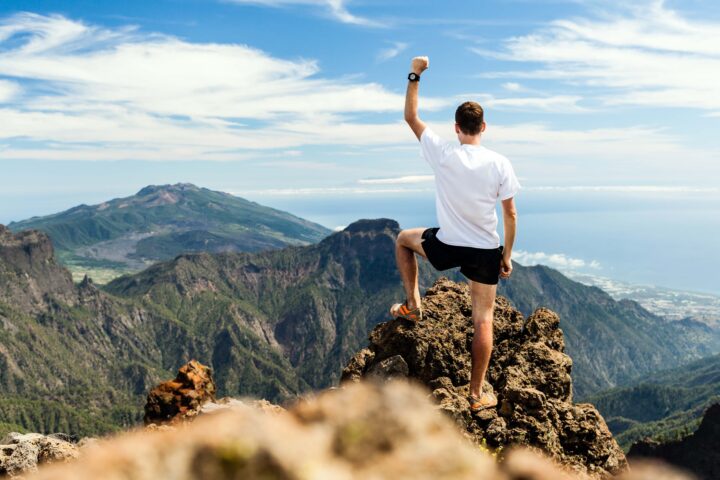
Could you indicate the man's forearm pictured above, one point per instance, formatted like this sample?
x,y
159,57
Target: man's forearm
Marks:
x,y
411,101
418,65
510,227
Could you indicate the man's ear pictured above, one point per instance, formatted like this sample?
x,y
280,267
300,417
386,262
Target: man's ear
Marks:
x,y
457,129
482,127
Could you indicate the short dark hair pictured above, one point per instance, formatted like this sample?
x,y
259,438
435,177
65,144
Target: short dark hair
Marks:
x,y
469,116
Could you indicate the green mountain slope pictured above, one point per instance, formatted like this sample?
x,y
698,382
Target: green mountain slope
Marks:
x,y
272,324
160,222
665,405
318,303
697,453
75,359
611,342
314,305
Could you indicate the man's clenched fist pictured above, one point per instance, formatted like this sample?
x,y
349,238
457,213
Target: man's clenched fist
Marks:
x,y
419,64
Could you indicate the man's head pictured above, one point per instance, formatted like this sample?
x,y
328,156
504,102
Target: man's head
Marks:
x,y
469,120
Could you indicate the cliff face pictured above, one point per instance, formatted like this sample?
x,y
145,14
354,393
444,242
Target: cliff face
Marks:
x,y
698,453
529,372
277,323
71,357
30,278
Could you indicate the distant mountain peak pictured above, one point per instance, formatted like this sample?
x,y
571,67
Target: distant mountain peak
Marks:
x,y
377,225
162,221
167,188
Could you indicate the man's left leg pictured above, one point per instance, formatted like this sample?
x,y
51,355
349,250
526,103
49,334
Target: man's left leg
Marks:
x,y
483,303
409,242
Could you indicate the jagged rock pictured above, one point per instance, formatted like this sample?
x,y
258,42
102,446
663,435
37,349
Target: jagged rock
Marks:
x,y
389,368
528,370
181,398
380,431
30,277
22,453
698,453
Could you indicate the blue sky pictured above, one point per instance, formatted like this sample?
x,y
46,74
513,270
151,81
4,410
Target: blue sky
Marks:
x,y
304,98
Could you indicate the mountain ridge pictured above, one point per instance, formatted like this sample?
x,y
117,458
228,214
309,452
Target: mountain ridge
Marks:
x,y
127,234
272,324
644,342
664,405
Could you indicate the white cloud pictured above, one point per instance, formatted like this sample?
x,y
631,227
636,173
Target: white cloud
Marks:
x,y
553,103
627,188
317,191
8,90
649,56
512,86
118,94
397,180
391,52
555,260
113,94
336,8
535,140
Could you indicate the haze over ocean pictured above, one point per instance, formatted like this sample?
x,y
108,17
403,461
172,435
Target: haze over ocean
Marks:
x,y
664,239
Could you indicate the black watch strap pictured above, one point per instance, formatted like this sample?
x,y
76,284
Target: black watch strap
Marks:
x,y
413,77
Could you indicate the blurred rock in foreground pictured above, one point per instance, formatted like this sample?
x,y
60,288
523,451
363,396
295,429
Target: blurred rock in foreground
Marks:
x,y
22,453
364,431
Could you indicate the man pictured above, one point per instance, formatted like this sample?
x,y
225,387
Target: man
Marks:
x,y
469,179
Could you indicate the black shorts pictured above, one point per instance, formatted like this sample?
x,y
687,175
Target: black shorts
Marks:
x,y
480,265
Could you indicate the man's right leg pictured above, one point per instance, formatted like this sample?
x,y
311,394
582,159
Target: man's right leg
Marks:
x,y
483,303
409,242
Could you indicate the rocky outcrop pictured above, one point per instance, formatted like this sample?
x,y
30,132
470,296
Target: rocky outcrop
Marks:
x,y
22,453
181,398
192,394
698,452
368,430
528,370
30,278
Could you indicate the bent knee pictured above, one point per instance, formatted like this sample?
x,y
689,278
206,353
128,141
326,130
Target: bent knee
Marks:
x,y
405,238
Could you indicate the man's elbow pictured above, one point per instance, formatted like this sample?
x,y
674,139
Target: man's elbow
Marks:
x,y
411,119
510,215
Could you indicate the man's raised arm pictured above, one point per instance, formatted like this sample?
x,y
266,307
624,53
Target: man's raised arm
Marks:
x,y
418,66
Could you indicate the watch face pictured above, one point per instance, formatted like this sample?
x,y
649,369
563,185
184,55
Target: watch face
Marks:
x,y
413,77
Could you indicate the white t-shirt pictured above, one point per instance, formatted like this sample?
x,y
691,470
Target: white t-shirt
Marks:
x,y
469,179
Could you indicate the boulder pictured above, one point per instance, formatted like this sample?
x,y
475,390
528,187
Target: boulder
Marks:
x,y
181,398
529,372
21,454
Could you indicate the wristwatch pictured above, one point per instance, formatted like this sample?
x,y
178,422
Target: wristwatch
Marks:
x,y
413,77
